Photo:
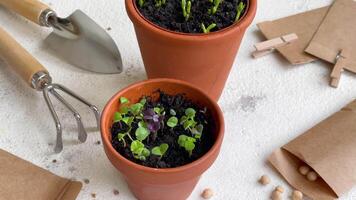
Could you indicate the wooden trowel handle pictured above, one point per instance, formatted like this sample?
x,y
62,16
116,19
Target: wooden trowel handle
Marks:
x,y
31,9
23,63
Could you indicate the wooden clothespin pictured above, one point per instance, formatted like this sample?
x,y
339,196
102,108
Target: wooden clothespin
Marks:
x,y
340,62
266,47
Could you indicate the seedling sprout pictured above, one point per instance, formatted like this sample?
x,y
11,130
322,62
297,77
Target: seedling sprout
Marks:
x,y
160,3
241,6
160,150
186,7
210,27
188,143
215,6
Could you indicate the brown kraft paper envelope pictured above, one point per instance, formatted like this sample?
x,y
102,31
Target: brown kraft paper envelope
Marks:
x,y
330,149
21,180
337,32
304,25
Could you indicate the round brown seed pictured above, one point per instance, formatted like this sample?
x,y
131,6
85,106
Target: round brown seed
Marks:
x,y
276,195
297,195
207,193
312,176
303,170
279,189
264,180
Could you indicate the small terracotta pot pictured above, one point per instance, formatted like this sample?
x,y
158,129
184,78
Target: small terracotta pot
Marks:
x,y
202,59
161,184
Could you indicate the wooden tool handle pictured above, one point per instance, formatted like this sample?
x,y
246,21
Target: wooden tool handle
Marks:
x,y
23,63
31,9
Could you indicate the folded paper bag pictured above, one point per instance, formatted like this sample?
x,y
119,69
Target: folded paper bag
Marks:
x,y
21,180
330,149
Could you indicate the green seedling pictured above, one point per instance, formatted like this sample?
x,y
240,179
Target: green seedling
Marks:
x,y
141,2
124,100
172,112
210,27
159,3
121,137
160,150
139,151
117,117
186,7
197,131
159,111
215,6
172,122
188,143
187,120
240,7
142,133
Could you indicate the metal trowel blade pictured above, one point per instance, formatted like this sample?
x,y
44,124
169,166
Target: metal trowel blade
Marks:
x,y
86,45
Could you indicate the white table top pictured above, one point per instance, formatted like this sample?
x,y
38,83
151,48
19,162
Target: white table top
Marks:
x,y
266,102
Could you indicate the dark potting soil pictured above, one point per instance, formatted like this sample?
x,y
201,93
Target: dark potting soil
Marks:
x,y
169,15
175,156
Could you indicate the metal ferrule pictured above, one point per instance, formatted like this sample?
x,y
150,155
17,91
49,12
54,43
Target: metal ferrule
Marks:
x,y
45,17
40,80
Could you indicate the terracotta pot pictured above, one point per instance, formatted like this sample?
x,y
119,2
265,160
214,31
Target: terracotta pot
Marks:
x,y
161,184
202,59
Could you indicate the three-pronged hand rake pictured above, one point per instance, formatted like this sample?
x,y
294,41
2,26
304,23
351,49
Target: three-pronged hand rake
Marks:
x,y
38,78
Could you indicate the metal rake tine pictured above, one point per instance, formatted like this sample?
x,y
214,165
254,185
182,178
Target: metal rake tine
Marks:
x,y
59,143
82,134
81,99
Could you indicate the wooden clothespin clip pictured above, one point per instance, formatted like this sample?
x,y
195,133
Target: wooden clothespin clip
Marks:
x,y
340,62
266,47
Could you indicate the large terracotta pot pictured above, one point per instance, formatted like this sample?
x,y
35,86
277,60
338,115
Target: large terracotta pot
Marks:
x,y
202,59
161,184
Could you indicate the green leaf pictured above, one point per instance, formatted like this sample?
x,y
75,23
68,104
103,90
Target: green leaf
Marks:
x,y
136,108
124,100
190,112
142,133
182,139
124,110
143,101
183,119
158,110
136,147
128,120
146,152
160,150
172,112
172,122
117,117
189,146
189,124
121,136
142,124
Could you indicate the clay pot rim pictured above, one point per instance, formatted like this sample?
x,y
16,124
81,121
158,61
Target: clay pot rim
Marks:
x,y
137,17
204,158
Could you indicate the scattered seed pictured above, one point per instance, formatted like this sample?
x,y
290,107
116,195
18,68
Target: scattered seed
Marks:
x,y
276,195
297,195
98,142
86,181
207,193
279,189
54,160
109,28
116,192
264,180
93,195
303,170
312,176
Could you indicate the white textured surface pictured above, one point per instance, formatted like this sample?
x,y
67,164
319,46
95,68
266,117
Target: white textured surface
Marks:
x,y
267,102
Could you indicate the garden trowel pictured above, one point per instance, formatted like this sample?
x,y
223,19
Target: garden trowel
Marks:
x,y
77,38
